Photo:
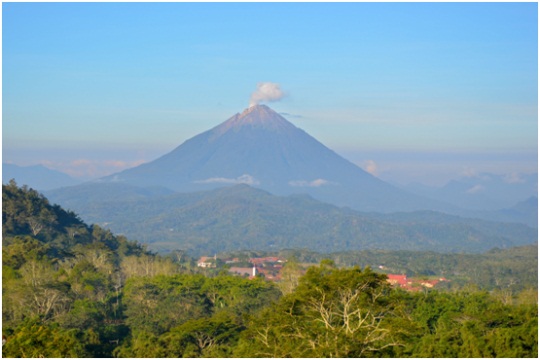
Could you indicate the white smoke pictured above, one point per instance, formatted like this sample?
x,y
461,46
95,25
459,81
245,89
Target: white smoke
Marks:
x,y
266,91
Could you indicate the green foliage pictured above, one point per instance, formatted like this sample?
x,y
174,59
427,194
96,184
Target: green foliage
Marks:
x,y
59,276
155,305
474,324
34,339
19,249
72,290
290,276
332,313
84,314
143,345
208,337
27,212
241,217
513,269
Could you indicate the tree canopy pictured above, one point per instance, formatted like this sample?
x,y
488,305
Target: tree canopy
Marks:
x,y
76,290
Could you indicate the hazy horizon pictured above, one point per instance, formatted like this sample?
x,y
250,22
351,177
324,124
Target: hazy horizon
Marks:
x,y
424,92
398,167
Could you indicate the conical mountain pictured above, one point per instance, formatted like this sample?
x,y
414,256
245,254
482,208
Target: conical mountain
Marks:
x,y
261,148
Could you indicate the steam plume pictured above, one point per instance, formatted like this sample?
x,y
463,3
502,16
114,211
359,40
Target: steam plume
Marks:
x,y
266,91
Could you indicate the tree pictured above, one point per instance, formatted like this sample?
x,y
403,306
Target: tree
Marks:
x,y
473,323
333,313
207,337
148,265
37,293
33,339
290,276
156,304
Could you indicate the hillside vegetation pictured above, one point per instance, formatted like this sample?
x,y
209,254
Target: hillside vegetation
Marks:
x,y
75,290
241,217
507,270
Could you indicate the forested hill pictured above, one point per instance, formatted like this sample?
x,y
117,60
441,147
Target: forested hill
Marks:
x,y
28,218
73,290
242,217
60,278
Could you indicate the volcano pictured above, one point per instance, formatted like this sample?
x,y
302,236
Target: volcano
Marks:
x,y
260,148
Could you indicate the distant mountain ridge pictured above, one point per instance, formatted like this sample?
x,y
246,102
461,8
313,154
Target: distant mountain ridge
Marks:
x,y
285,182
482,192
36,176
241,217
260,148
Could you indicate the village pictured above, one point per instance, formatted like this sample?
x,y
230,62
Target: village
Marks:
x,y
270,268
267,267
413,284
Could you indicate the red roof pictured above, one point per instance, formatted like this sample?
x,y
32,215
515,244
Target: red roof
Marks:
x,y
264,260
241,270
397,279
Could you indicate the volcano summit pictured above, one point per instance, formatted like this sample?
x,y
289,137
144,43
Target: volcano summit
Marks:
x,y
260,148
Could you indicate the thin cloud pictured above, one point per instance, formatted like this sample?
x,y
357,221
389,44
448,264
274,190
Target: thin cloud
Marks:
x,y
89,168
294,116
514,178
244,179
314,183
475,189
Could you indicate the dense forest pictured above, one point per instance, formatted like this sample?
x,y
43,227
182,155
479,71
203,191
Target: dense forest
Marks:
x,y
243,217
75,290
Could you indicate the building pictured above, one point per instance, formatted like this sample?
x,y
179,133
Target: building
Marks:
x,y
207,262
263,260
271,273
400,280
251,272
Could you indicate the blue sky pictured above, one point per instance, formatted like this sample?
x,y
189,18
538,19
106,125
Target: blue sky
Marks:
x,y
92,88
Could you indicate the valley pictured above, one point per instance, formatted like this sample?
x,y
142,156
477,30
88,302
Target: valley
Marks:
x,y
253,239
269,180
244,218
75,290
257,182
